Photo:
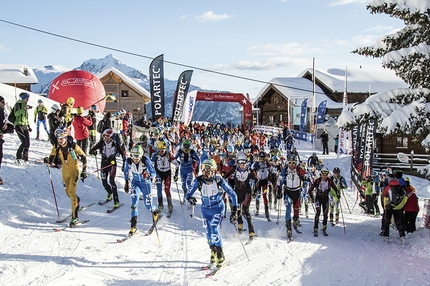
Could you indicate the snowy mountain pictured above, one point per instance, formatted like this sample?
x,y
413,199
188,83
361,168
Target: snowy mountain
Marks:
x,y
205,111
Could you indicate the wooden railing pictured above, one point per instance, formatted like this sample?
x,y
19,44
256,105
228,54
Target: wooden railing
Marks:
x,y
384,160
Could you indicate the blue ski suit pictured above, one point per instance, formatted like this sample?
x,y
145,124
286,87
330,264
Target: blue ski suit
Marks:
x,y
186,161
140,175
213,206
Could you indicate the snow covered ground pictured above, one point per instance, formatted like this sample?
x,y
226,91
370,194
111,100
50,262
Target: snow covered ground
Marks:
x,y
31,253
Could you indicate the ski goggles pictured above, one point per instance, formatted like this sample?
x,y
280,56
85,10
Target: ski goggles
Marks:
x,y
324,173
241,162
135,156
292,163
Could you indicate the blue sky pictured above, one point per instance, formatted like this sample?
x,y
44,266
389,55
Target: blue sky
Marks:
x,y
258,39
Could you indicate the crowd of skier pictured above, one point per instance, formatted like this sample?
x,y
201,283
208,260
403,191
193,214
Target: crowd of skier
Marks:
x,y
229,168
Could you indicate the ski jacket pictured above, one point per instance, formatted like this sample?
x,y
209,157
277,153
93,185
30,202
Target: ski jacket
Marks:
x,y
186,159
139,172
109,152
211,191
261,169
69,157
162,163
323,188
291,179
80,127
21,114
242,178
40,112
368,187
412,203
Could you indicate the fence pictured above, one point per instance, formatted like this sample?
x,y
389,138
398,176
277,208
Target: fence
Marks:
x,y
409,162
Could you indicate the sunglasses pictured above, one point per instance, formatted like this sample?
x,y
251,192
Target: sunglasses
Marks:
x,y
291,163
186,146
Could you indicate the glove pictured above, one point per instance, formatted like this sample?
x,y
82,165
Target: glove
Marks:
x,y
279,194
34,120
122,168
313,200
233,217
46,160
29,129
83,175
127,187
175,178
338,195
192,201
94,152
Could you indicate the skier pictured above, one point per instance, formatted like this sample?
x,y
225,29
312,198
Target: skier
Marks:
x,y
242,188
66,154
138,174
3,127
22,127
54,122
40,113
289,186
261,168
80,127
323,186
340,183
186,157
212,208
109,149
162,163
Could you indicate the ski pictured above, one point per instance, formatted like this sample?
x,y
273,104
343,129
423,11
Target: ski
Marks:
x,y
151,229
215,271
127,237
69,226
113,209
297,230
102,203
69,216
209,266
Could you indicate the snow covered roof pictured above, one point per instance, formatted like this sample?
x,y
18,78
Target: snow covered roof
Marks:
x,y
298,88
358,80
126,79
11,73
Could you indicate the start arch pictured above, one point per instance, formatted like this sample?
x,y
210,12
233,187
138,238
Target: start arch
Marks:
x,y
231,97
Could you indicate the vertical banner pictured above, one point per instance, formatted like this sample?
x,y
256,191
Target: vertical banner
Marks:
x,y
156,85
368,148
181,91
303,115
321,112
355,175
190,101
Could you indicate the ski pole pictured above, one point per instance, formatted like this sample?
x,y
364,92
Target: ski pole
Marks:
x,y
179,195
53,191
241,242
343,195
343,220
98,171
154,223
279,211
107,166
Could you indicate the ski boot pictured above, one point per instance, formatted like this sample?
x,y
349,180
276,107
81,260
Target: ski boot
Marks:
x,y
170,208
386,239
296,224
160,208
133,227
324,228
315,231
219,256
266,212
240,227
74,222
289,231
116,205
257,207
403,240
109,197
155,216
213,254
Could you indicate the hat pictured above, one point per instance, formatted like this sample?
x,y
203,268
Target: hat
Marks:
x,y
24,95
79,110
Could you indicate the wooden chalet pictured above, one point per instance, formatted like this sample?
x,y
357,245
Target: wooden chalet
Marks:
x,y
129,95
20,76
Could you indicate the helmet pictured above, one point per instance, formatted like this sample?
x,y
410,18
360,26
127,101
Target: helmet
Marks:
x,y
336,170
161,145
275,159
193,137
292,158
374,173
230,149
70,102
39,101
108,133
80,110
55,107
324,170
255,152
241,157
320,161
155,132
247,150
143,138
209,164
122,111
60,132
136,152
186,145
262,154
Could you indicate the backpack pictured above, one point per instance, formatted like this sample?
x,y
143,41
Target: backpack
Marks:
x,y
11,117
399,197
101,126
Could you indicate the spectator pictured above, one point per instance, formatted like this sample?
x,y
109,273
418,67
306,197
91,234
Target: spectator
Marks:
x,y
40,113
324,140
80,126
22,127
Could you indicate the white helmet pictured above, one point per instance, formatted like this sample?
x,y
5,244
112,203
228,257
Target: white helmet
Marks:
x,y
55,107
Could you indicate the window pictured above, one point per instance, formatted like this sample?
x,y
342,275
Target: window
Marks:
x,y
401,142
275,100
124,93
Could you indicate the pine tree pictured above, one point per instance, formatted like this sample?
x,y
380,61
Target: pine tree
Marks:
x,y
407,53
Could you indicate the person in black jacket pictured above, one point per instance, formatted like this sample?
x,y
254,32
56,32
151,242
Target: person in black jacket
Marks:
x,y
93,128
324,141
54,122
3,128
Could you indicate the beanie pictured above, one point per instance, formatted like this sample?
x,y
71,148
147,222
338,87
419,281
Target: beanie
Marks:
x,y
24,95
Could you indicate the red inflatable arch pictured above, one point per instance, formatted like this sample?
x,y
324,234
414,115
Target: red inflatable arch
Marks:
x,y
230,97
83,86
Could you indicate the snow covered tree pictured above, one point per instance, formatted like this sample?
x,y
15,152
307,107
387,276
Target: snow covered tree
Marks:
x,y
407,53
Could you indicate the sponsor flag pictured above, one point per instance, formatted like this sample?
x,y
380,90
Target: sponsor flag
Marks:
x,y
156,85
303,115
181,91
321,112
190,101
